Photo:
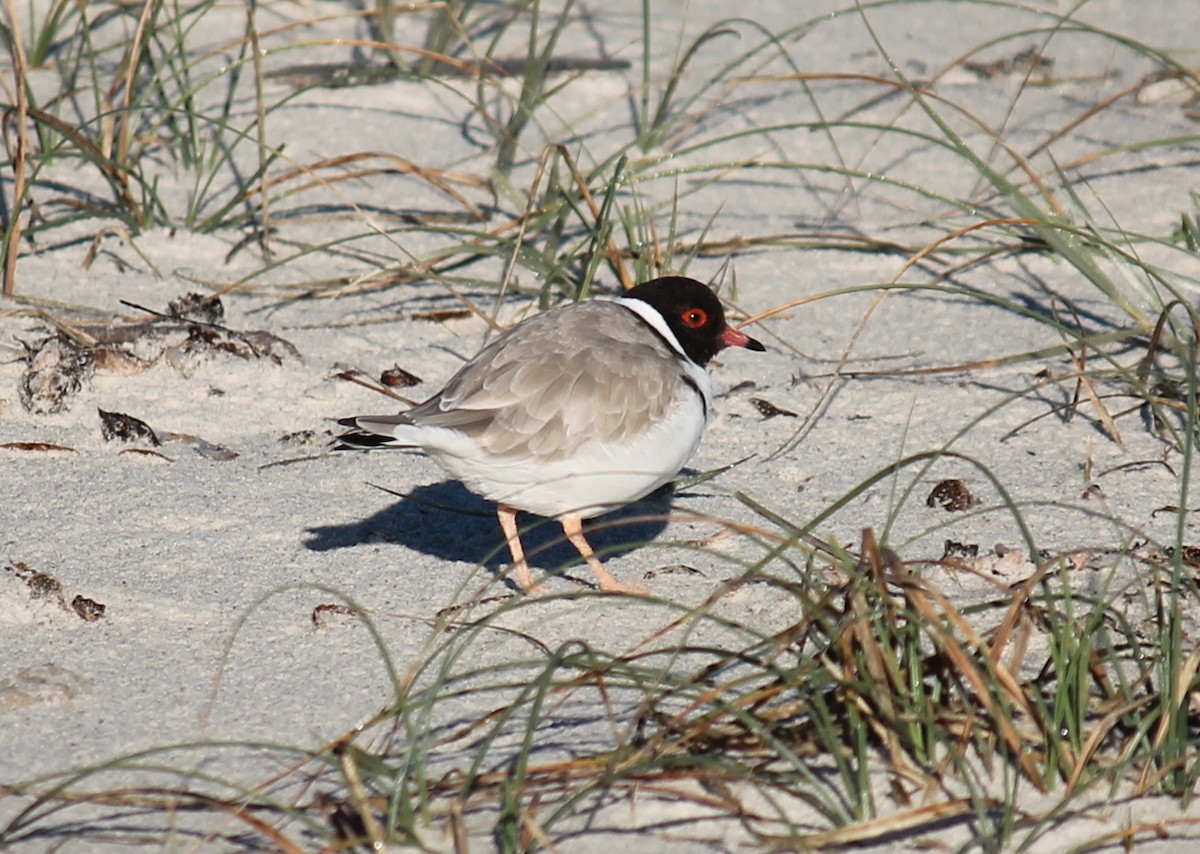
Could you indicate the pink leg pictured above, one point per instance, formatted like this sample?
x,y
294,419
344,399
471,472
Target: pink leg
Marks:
x,y
573,528
508,522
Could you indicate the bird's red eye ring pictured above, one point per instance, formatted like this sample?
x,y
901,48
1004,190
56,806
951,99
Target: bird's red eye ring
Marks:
x,y
695,318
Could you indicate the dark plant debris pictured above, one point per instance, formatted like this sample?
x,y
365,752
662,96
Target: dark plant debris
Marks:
x,y
954,549
302,437
673,569
117,425
56,368
343,819
126,428
463,606
770,410
89,610
1029,62
397,377
59,365
321,613
44,586
1169,509
191,314
951,495
1190,555
198,307
354,375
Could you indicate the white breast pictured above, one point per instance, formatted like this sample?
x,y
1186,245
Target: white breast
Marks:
x,y
598,477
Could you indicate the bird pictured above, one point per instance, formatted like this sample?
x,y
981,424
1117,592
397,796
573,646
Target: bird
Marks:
x,y
573,412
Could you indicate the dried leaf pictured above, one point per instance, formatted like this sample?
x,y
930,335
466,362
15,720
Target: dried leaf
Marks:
x,y
147,452
441,315
35,446
114,360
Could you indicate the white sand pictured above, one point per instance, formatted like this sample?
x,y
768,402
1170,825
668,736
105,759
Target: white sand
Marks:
x,y
209,570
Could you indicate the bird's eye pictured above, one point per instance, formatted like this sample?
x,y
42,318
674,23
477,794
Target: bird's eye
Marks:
x,y
695,318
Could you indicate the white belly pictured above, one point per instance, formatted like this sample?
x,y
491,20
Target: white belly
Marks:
x,y
595,478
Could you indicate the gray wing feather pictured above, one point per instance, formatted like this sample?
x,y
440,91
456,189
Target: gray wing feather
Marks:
x,y
569,376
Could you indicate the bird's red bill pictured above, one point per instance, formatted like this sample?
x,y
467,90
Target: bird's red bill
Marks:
x,y
737,338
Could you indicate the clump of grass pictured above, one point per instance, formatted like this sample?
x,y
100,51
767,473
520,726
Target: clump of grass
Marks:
x,y
133,91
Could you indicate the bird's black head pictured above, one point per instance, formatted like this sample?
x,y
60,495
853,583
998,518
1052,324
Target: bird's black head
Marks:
x,y
693,312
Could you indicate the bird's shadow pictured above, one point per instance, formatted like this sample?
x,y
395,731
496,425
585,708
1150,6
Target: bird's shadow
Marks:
x,y
447,521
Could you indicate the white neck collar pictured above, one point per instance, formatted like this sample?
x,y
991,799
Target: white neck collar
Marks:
x,y
652,316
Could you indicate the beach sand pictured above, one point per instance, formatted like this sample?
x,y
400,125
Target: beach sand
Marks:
x,y
215,555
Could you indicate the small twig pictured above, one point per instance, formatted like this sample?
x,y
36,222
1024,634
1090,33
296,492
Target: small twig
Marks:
x,y
264,201
132,62
359,378
22,109
611,251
